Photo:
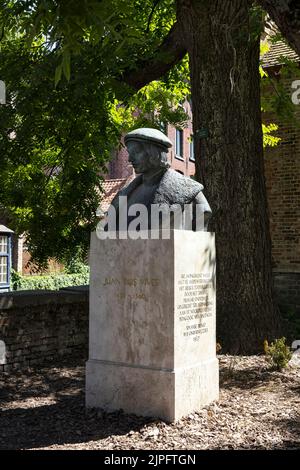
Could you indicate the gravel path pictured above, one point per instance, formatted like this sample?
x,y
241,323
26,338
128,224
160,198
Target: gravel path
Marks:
x,y
43,408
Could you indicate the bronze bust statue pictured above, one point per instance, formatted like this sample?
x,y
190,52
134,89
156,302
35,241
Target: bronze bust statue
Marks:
x,y
155,183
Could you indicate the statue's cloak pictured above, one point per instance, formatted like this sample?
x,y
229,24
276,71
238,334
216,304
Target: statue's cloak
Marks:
x,y
173,188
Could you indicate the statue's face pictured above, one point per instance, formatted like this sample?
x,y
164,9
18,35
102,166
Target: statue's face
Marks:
x,y
137,157
141,161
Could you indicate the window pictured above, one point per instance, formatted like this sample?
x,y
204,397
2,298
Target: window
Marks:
x,y
3,244
4,259
192,154
3,269
179,143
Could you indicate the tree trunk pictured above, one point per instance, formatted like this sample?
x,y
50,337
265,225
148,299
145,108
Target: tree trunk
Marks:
x,y
224,57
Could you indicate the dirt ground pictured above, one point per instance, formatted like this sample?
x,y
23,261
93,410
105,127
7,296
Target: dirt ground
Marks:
x,y
43,408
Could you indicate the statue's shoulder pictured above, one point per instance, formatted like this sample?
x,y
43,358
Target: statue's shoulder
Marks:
x,y
129,186
176,188
176,177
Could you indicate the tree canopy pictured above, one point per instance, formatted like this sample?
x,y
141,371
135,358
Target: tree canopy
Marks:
x,y
60,128
74,73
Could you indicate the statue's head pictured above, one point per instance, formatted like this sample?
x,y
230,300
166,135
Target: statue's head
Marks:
x,y
148,149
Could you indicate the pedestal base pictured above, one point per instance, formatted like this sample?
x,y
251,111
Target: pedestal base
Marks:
x,y
167,394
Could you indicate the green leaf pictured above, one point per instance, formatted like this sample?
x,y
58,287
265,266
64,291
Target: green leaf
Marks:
x,y
66,64
58,71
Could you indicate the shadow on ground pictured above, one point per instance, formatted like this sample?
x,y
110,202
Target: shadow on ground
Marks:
x,y
44,410
251,377
290,425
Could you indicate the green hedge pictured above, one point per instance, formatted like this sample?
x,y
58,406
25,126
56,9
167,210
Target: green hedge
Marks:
x,y
50,282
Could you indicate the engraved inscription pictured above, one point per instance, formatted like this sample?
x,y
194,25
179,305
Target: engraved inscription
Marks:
x,y
131,288
195,306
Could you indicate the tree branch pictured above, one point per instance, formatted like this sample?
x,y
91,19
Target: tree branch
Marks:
x,y
171,51
155,3
286,15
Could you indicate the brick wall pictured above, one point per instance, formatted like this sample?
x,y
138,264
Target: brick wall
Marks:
x,y
119,167
185,165
287,291
282,170
28,268
42,326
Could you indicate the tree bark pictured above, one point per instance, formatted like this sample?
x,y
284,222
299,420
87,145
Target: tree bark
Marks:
x,y
286,15
224,59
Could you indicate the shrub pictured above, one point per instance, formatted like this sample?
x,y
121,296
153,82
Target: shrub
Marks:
x,y
49,282
278,353
75,265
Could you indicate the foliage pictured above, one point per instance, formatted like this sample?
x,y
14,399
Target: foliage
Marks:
x,y
49,282
275,95
76,265
57,136
156,103
118,29
270,140
278,353
67,106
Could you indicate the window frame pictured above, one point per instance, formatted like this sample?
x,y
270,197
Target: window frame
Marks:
x,y
192,153
7,255
180,155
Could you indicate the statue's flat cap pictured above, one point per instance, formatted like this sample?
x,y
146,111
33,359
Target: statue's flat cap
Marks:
x,y
145,134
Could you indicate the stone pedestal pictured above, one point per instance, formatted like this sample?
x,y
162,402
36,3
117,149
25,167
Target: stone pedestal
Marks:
x,y
152,347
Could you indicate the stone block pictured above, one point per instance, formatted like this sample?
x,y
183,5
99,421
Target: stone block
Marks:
x,y
152,341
